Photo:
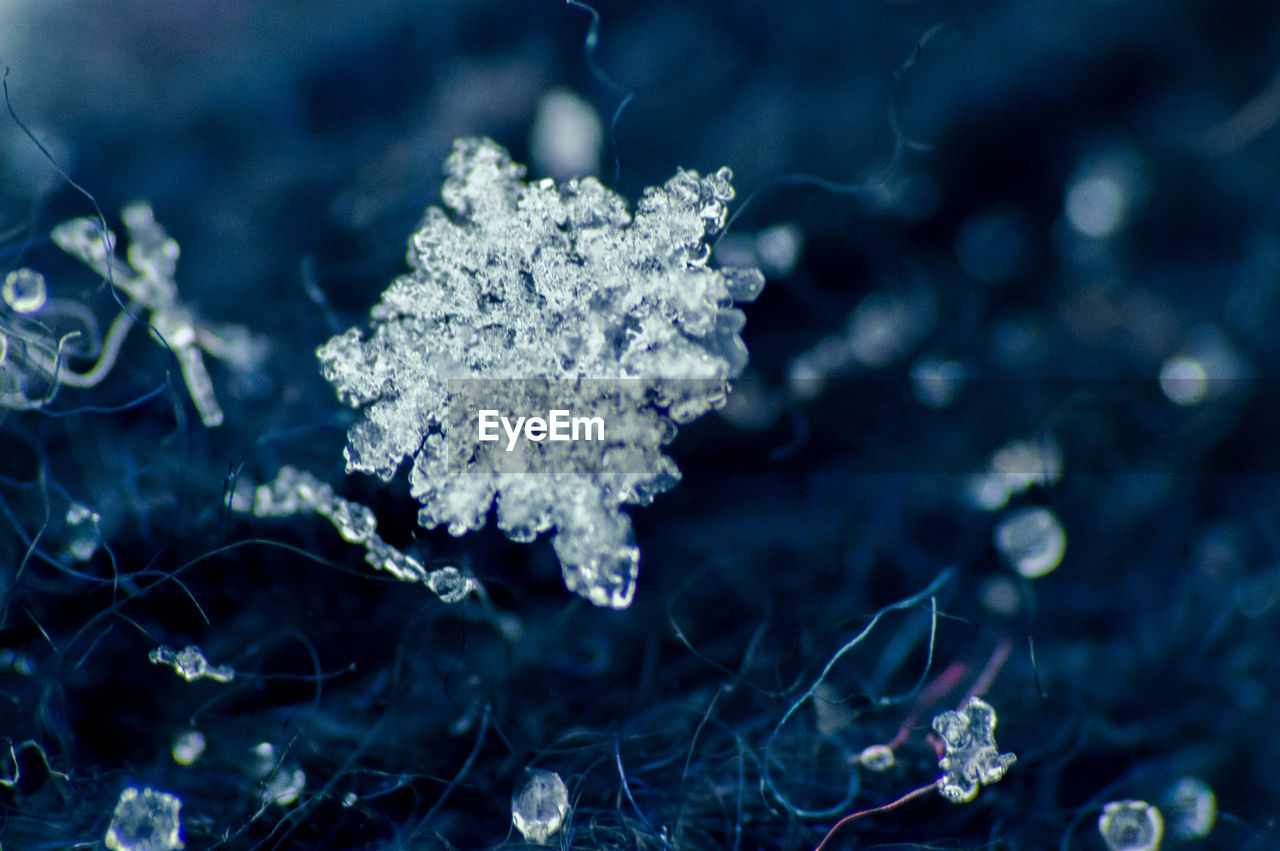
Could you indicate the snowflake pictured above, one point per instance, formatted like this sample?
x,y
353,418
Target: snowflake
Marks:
x,y
522,281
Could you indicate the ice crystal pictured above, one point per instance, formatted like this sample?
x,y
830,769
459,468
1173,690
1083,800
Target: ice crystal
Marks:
x,y
294,491
971,758
145,820
24,290
1131,826
522,281
190,664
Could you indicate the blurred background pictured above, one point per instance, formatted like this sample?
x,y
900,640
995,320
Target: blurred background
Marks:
x,y
1024,285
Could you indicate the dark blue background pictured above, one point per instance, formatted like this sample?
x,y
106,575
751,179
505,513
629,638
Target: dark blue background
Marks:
x,y
289,142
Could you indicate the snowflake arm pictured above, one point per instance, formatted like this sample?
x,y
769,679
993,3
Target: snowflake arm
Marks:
x,y
148,281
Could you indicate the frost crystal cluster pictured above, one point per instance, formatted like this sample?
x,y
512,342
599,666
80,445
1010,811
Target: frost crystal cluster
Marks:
x,y
190,664
519,280
145,820
294,491
971,758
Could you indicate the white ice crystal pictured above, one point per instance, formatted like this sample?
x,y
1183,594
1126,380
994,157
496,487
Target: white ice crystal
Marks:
x,y
145,820
294,491
522,281
971,758
190,664
148,281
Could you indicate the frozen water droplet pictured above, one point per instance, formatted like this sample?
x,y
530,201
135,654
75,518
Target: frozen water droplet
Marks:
x,y
521,533
743,284
450,584
1131,826
876,758
188,747
779,250
1032,540
24,291
1192,808
285,786
539,806
262,760
566,136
